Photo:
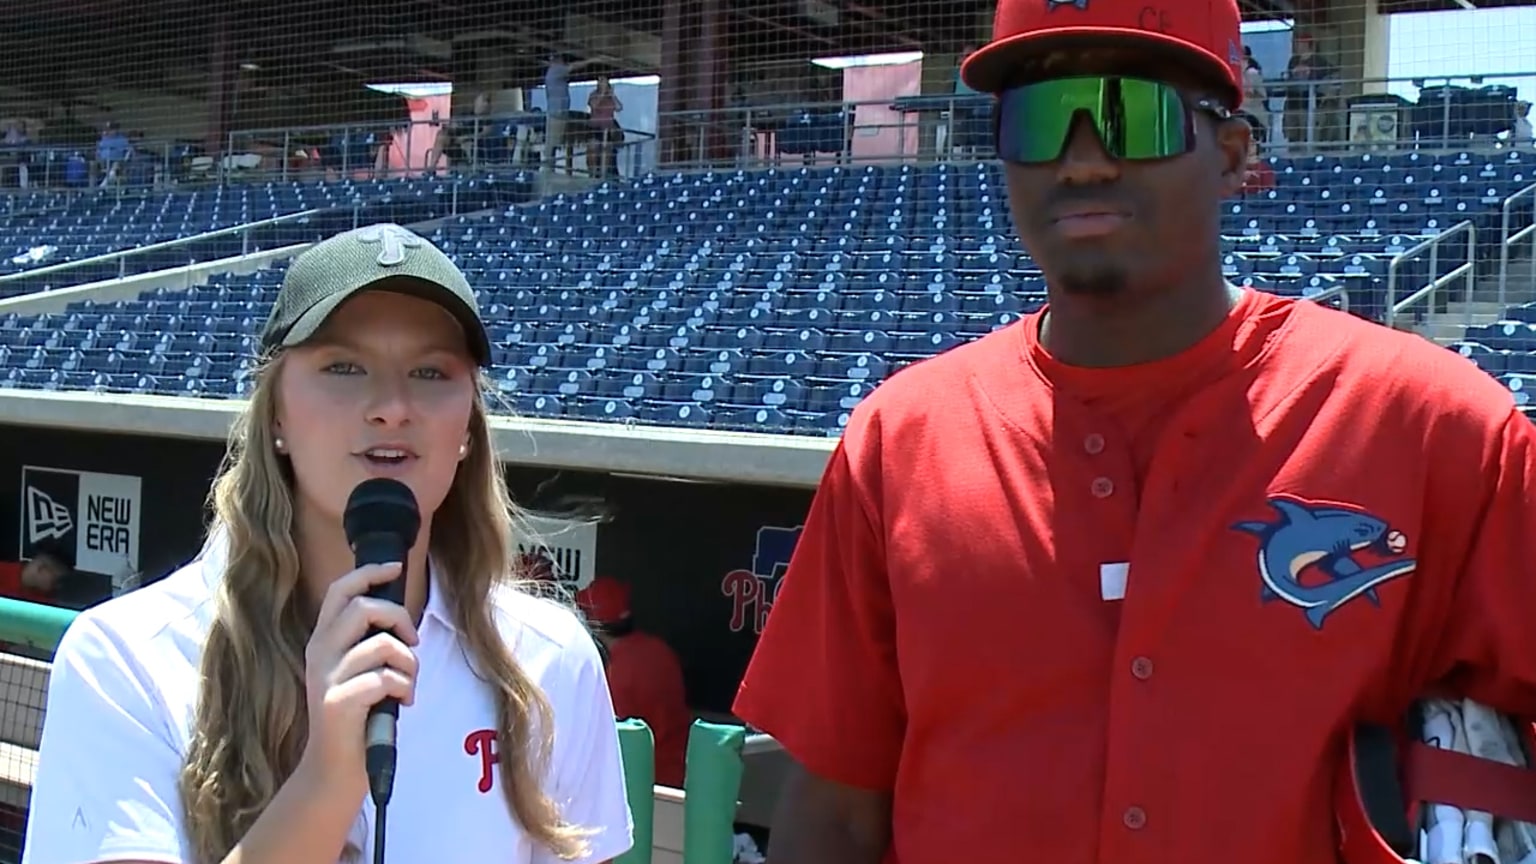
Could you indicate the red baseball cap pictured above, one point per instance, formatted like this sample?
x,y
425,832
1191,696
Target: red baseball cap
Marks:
x,y
1206,34
605,601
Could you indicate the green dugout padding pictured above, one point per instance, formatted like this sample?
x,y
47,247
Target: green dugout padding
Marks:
x,y
639,751
714,756
710,790
33,624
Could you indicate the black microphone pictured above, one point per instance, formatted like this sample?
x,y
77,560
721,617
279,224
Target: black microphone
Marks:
x,y
381,522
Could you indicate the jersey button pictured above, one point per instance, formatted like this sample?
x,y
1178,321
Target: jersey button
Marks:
x,y
1141,667
1094,444
1135,818
1102,487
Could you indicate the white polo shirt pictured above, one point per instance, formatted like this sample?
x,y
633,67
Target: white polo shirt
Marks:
x,y
120,708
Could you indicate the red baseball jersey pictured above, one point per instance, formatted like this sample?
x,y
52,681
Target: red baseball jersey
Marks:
x,y
646,681
1128,615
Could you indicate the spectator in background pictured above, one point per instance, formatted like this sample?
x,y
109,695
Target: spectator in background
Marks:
x,y
15,141
1311,113
49,577
112,151
604,107
1520,133
557,101
77,171
1260,177
13,586
971,118
446,151
557,98
1255,96
645,677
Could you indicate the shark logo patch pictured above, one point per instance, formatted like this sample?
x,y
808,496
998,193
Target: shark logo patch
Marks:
x,y
1308,556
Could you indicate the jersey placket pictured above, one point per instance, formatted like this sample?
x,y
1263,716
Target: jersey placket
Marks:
x,y
1141,776
1107,505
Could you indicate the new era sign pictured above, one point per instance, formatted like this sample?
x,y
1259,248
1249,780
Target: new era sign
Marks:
x,y
92,517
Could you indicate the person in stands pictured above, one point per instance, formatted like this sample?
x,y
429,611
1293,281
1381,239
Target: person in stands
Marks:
x,y
644,675
1260,176
603,106
1116,582
49,577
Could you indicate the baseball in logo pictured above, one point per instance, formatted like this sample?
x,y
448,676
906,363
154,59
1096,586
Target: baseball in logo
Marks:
x,y
91,518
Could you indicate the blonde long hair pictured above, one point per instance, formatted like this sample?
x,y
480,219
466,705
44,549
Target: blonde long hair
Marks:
x,y
251,721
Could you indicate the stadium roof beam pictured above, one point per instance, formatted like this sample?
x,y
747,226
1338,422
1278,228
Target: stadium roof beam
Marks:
x,y
878,21
784,26
1267,10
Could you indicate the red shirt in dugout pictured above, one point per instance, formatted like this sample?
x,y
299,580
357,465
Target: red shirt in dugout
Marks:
x,y
1128,615
645,680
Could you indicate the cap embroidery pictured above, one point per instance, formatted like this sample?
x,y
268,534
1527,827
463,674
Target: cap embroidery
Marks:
x,y
393,241
1080,5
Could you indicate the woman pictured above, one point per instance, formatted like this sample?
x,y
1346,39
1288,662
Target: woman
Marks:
x,y
603,106
1255,95
217,715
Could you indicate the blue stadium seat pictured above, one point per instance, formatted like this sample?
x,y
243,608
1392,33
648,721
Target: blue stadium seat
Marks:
x,y
770,300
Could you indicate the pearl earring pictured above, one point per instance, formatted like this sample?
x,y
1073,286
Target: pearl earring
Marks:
x,y
463,450
277,444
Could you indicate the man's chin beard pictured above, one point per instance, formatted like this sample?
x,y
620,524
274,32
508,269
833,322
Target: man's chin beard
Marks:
x,y
1096,282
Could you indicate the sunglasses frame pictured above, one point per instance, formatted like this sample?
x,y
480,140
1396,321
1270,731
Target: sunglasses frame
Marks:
x,y
1207,104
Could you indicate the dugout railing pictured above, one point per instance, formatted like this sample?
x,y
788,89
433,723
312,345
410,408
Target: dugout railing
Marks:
x,y
693,825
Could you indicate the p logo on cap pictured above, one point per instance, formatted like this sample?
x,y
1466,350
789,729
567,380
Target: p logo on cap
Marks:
x,y
393,242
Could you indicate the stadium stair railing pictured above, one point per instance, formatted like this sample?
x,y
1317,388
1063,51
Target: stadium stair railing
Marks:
x,y
694,825
1466,270
1510,236
97,267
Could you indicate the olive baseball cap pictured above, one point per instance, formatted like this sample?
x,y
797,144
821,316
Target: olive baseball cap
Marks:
x,y
327,274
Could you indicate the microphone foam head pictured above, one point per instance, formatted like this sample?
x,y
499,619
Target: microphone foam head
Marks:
x,y
382,505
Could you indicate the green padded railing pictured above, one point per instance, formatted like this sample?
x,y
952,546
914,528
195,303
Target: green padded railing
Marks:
x,y
710,791
33,624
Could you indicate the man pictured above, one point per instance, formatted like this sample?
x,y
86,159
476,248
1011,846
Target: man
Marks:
x,y
1112,584
1312,112
557,99
645,677
112,150
49,577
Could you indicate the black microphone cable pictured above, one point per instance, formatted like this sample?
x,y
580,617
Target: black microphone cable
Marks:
x,y
381,786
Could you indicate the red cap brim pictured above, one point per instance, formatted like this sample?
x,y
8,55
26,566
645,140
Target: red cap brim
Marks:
x,y
1007,62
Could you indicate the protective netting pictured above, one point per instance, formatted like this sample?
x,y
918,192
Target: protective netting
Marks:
x,y
706,213
23,689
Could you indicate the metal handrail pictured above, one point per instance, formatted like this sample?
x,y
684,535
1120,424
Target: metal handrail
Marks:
x,y
1432,245
122,255
1326,294
1509,240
